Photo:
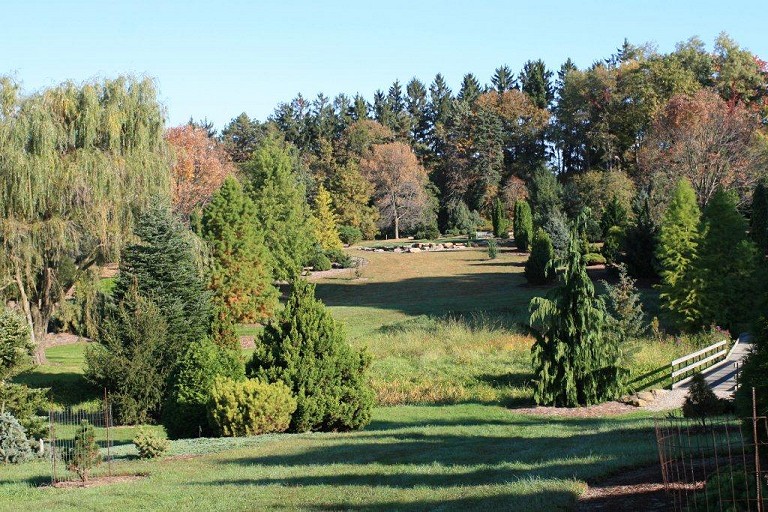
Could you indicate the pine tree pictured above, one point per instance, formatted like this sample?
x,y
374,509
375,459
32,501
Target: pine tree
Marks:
x,y
726,264
305,348
626,317
537,267
85,455
523,225
162,266
499,219
641,239
759,220
133,358
573,362
326,222
351,194
281,207
614,214
240,278
679,239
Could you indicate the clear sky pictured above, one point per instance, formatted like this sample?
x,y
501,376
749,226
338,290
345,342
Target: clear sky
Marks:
x,y
216,59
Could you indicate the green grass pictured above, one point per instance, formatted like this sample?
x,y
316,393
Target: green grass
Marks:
x,y
64,376
464,457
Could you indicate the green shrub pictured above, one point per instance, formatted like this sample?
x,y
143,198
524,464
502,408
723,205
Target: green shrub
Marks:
x,y
85,455
14,445
499,219
493,249
150,445
339,257
594,258
305,348
612,244
25,404
320,261
184,413
537,267
427,231
350,235
701,402
250,407
523,226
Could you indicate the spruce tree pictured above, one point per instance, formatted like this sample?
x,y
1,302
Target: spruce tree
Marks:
x,y
574,362
537,267
523,225
305,348
163,267
679,239
759,220
726,264
614,214
281,207
641,239
626,317
326,222
499,219
240,278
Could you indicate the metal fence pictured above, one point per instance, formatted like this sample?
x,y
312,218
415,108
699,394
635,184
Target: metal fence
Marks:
x,y
64,426
714,464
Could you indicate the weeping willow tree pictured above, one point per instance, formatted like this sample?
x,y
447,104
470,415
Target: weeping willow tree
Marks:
x,y
77,162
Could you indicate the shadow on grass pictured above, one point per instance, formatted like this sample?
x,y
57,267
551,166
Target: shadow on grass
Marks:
x,y
67,389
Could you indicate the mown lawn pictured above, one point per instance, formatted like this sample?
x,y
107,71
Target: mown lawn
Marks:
x,y
460,457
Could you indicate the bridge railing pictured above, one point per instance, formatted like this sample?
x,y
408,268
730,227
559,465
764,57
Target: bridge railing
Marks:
x,y
684,367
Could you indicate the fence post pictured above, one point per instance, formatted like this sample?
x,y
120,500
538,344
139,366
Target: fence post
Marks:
x,y
757,453
53,446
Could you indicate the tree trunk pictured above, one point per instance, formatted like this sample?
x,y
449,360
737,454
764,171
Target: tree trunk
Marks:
x,y
397,227
38,326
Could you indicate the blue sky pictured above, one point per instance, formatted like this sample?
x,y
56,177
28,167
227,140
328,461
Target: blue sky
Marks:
x,y
217,59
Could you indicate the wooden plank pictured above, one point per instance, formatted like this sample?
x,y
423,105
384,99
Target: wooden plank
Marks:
x,y
698,353
698,363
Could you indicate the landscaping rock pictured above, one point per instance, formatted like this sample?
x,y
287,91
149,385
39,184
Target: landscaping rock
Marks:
x,y
646,396
414,249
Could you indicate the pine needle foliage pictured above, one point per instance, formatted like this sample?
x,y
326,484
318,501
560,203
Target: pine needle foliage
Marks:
x,y
574,362
240,277
326,221
499,219
77,161
679,240
523,225
726,265
305,348
281,207
163,267
84,456
538,265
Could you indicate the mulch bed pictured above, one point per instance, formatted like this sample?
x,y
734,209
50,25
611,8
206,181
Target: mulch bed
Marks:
x,y
592,411
633,490
97,481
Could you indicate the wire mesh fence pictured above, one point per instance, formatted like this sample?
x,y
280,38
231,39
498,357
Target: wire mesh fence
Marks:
x,y
80,443
714,464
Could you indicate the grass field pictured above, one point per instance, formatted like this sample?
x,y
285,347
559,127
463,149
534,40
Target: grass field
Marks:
x,y
461,457
449,357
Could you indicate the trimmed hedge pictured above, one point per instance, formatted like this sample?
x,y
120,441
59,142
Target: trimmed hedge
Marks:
x,y
250,407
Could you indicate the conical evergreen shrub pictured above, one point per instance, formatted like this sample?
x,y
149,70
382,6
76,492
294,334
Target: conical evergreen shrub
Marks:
x,y
305,348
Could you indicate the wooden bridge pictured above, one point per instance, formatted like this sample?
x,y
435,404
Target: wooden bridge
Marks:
x,y
719,365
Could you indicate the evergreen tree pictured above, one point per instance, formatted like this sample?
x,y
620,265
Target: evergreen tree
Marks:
x,y
84,455
241,137
523,225
545,194
162,267
626,317
351,194
641,239
282,212
133,358
538,265
240,278
726,264
470,89
326,222
679,239
499,219
614,214
305,348
184,411
536,82
503,79
574,363
759,220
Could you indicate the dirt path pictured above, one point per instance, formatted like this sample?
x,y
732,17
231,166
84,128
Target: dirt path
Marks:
x,y
633,490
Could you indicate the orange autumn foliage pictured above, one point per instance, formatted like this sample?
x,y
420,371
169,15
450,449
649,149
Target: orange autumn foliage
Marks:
x,y
200,167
